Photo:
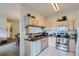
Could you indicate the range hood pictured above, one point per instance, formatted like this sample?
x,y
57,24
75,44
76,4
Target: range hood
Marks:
x,y
64,18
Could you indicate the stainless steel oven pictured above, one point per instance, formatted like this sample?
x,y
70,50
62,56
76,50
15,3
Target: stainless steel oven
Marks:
x,y
62,42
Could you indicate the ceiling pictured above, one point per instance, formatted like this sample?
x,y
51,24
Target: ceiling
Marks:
x,y
46,9
10,10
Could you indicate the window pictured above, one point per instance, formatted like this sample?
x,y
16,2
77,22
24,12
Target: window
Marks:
x,y
3,33
62,28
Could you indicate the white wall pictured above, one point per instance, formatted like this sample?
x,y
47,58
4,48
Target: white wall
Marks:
x,y
3,28
60,14
3,22
15,27
24,11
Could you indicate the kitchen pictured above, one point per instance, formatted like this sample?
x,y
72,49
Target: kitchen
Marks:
x,y
49,32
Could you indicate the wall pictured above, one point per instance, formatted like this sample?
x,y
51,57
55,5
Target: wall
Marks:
x,y
15,27
3,28
23,22
3,22
9,26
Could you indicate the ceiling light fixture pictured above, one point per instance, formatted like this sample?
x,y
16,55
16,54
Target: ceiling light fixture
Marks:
x,y
55,6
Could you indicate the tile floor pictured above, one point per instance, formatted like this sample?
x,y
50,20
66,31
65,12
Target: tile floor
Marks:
x,y
10,50
11,53
51,51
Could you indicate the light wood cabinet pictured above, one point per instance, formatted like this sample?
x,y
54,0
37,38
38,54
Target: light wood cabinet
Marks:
x,y
72,45
40,22
35,22
44,23
47,24
31,21
72,23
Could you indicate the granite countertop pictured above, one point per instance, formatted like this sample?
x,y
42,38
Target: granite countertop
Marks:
x,y
36,38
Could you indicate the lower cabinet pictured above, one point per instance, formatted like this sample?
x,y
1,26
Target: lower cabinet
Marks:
x,y
72,46
52,41
44,43
49,41
34,48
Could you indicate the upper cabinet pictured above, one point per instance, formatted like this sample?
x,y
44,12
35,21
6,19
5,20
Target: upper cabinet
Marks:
x,y
62,23
32,20
72,24
3,22
36,22
41,22
47,24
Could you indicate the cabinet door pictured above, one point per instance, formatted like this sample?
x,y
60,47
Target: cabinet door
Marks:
x,y
72,46
36,22
28,48
36,47
49,41
40,23
31,21
44,43
3,22
70,24
52,41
